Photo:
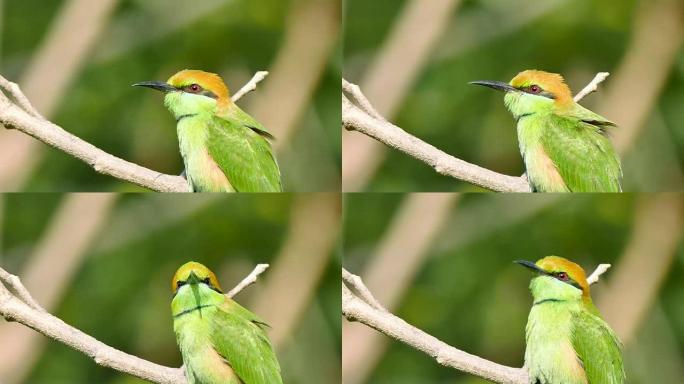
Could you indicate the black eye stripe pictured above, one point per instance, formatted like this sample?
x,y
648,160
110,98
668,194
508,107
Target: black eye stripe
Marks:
x,y
541,91
529,89
200,91
208,93
567,280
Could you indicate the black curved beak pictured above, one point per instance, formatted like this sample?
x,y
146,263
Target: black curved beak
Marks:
x,y
531,266
498,85
158,85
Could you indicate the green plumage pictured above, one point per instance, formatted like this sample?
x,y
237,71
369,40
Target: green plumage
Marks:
x,y
578,151
567,344
592,337
220,341
564,145
567,340
236,143
223,148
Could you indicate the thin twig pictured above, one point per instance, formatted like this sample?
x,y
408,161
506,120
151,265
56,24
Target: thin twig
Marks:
x,y
354,118
600,270
360,99
359,115
364,293
355,309
19,97
250,86
359,307
22,308
22,116
592,86
13,283
247,281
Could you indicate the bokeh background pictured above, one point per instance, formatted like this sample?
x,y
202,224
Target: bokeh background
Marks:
x,y
76,61
413,60
444,263
103,263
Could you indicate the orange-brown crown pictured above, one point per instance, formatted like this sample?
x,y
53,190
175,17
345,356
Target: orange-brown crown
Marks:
x,y
556,264
202,272
209,81
552,83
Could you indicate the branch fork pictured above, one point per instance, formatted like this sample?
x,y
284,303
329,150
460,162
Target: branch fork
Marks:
x,y
361,306
22,116
359,115
17,304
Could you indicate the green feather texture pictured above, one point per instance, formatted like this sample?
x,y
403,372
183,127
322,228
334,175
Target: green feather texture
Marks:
x,y
567,341
239,337
564,145
239,144
576,150
223,148
598,348
221,342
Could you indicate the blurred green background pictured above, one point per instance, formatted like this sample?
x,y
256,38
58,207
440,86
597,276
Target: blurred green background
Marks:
x,y
76,61
414,60
445,265
103,263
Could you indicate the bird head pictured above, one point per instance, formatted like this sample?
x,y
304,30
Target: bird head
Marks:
x,y
191,91
532,91
193,273
557,279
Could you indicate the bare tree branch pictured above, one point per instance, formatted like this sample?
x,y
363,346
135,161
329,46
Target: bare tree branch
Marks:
x,y
412,39
250,86
63,52
14,283
354,91
22,116
354,118
21,307
362,117
412,232
592,86
249,280
356,309
600,270
365,309
49,270
22,101
361,289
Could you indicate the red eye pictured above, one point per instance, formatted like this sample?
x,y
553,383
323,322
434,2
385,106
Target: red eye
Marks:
x,y
562,275
535,89
194,88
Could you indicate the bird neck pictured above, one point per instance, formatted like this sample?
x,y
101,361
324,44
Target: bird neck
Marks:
x,y
549,343
182,104
193,298
547,288
522,104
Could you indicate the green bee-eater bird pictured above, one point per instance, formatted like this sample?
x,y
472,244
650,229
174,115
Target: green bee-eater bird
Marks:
x,y
564,145
224,149
567,340
221,341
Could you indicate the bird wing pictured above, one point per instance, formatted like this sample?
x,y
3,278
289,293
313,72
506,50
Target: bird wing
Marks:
x,y
598,348
589,117
243,153
584,157
238,336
